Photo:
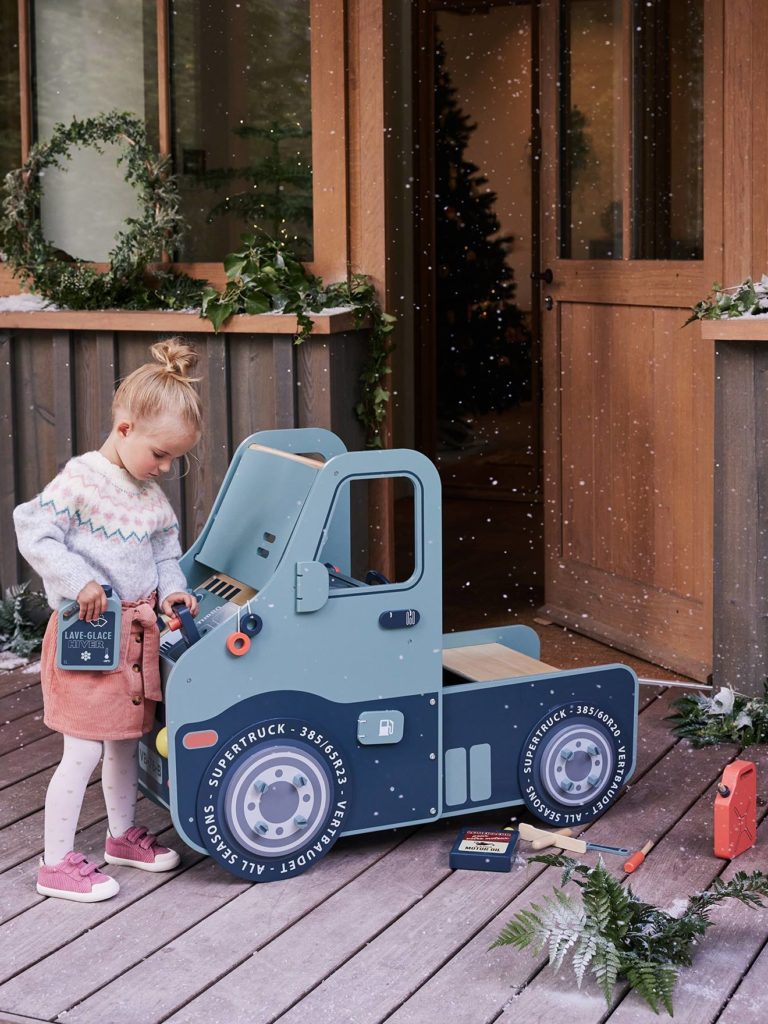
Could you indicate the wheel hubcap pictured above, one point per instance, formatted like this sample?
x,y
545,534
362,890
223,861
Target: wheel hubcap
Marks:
x,y
577,762
277,800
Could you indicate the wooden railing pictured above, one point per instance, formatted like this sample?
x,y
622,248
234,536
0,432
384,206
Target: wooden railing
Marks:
x,y
58,373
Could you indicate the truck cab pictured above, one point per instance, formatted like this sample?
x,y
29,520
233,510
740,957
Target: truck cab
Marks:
x,y
314,698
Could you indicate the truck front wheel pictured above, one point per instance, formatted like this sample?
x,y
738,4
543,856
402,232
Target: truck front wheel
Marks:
x,y
273,801
573,765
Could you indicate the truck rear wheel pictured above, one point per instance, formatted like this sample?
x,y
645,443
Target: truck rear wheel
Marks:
x,y
573,764
273,801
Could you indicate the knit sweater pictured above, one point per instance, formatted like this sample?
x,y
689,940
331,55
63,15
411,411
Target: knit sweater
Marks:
x,y
94,521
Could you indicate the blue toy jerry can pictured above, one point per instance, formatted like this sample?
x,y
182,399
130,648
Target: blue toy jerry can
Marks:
x,y
92,646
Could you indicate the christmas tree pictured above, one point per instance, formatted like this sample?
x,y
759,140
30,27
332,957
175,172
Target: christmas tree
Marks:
x,y
483,342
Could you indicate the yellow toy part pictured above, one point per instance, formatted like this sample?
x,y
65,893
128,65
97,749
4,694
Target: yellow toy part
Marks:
x,y
161,742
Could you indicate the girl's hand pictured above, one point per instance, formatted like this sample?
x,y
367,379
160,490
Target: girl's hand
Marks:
x,y
92,601
179,598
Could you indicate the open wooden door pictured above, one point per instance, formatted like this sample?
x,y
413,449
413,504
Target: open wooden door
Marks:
x,y
631,243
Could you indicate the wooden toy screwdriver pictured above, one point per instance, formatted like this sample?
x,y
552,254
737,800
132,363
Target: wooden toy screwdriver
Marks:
x,y
637,859
530,832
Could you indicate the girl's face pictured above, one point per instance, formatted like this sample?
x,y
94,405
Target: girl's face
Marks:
x,y
147,448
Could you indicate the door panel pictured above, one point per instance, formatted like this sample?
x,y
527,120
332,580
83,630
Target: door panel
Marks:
x,y
628,401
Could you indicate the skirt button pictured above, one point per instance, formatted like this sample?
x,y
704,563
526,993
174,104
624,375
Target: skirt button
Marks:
x,y
136,668
136,700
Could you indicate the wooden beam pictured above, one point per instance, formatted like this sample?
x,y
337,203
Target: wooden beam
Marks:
x,y
25,79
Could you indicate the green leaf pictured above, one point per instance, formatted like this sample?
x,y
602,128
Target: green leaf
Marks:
x,y
233,265
219,312
257,304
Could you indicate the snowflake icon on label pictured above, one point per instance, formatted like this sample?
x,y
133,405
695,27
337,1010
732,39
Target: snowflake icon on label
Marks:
x,y
85,656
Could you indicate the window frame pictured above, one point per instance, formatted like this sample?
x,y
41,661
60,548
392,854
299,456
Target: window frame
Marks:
x,y
328,102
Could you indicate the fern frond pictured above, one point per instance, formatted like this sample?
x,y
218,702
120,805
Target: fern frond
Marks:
x,y
556,923
606,903
654,982
565,924
524,929
605,966
583,954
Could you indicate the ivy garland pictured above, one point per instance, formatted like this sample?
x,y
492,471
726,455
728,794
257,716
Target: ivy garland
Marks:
x,y
74,283
263,276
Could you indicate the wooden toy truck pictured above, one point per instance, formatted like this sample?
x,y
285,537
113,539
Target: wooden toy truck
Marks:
x,y
305,703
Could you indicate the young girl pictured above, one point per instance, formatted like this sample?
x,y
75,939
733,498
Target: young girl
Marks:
x,y
105,520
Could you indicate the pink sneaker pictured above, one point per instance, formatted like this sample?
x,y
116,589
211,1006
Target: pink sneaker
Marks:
x,y
75,878
138,848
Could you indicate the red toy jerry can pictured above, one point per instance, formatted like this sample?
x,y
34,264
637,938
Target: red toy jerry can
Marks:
x,y
736,810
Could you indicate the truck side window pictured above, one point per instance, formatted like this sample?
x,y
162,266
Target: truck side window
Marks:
x,y
361,561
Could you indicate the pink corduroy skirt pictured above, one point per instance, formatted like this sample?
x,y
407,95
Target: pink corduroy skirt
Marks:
x,y
117,705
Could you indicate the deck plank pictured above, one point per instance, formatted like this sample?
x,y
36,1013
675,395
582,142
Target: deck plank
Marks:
x,y
55,925
300,957
19,678
19,764
682,863
195,955
737,934
379,930
377,981
25,837
132,930
20,702
17,885
21,731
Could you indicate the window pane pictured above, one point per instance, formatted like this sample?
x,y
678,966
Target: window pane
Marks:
x,y
10,117
241,121
90,58
352,505
590,156
668,200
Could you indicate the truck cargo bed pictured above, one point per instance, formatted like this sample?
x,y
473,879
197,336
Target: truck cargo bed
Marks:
x,y
484,662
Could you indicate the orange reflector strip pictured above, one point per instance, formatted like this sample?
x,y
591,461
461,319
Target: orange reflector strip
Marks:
x,y
195,740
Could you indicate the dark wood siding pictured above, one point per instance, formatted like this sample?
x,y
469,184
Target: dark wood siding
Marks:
x,y
56,390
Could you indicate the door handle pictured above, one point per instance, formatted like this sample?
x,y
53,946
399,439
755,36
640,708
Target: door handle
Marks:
x,y
543,275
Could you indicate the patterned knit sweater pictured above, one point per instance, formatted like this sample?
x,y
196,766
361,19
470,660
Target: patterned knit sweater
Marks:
x,y
94,521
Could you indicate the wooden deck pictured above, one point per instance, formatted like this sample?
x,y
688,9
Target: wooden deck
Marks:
x,y
380,930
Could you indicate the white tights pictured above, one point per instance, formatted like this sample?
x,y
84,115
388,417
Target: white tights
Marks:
x,y
64,799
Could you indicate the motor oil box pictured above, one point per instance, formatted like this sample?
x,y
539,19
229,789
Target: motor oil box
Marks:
x,y
92,646
478,849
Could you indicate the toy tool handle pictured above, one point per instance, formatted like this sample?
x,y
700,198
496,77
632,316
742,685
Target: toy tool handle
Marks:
x,y
530,832
542,844
75,607
634,862
184,622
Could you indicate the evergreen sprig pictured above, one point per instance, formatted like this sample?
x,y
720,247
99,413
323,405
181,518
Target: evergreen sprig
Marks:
x,y
264,276
64,279
24,614
749,298
615,936
727,717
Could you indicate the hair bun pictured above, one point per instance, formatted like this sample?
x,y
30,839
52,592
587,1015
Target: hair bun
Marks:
x,y
175,357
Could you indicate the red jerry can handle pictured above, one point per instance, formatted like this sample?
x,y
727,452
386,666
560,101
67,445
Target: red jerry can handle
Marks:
x,y
736,810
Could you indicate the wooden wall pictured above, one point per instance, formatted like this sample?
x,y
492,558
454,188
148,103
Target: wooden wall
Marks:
x,y
56,390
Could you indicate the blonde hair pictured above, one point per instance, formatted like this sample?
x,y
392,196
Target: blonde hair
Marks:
x,y
163,386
